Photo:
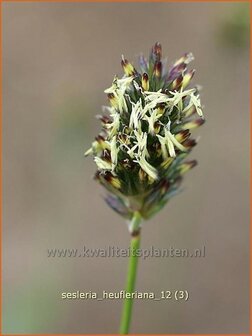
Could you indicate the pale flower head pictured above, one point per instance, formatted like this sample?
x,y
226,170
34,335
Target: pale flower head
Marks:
x,y
145,138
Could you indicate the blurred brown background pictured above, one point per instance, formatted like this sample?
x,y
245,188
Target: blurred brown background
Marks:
x,y
57,60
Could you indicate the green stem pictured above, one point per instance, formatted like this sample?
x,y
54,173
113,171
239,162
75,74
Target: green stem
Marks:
x,y
131,276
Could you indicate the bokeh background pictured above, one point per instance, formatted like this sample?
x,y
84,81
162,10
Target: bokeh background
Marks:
x,y
57,60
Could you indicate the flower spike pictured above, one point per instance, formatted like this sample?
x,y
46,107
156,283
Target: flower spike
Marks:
x,y
140,153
